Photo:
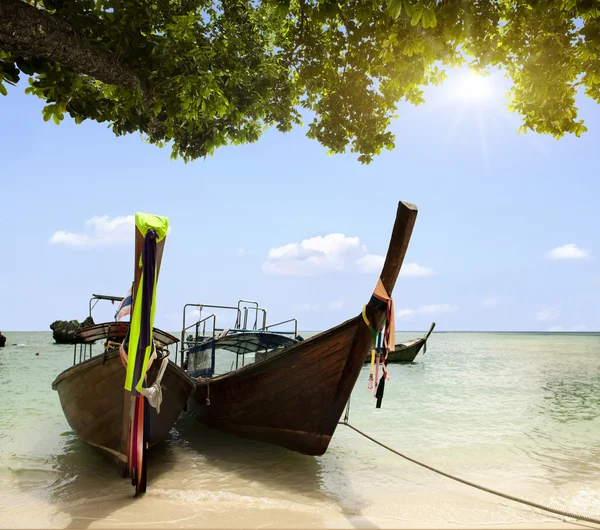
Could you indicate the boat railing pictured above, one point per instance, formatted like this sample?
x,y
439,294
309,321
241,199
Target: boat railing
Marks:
x,y
200,308
83,352
250,330
203,334
203,322
251,305
295,332
238,323
197,336
257,310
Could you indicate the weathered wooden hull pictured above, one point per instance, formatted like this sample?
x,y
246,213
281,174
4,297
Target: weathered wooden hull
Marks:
x,y
295,398
407,352
92,398
404,353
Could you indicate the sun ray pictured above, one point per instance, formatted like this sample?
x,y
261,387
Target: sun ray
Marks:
x,y
455,124
482,139
474,87
475,100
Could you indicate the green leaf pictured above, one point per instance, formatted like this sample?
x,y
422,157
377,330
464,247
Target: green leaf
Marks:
x,y
429,19
394,8
418,13
3,90
47,112
409,7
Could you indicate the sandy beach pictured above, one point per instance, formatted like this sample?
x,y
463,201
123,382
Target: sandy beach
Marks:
x,y
534,436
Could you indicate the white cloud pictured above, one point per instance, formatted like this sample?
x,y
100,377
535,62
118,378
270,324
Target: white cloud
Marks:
x,y
336,305
191,315
314,255
242,251
578,327
430,309
99,231
569,251
330,253
556,328
416,271
546,314
370,263
490,302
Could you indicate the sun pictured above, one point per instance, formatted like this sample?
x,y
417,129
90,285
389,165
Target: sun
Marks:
x,y
474,86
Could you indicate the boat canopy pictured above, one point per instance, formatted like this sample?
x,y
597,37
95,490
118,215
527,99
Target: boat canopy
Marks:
x,y
242,342
116,331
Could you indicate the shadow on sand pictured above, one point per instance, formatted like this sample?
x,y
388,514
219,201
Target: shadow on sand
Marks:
x,y
273,468
88,486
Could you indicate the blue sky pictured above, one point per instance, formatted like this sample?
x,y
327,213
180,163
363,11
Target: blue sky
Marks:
x,y
506,237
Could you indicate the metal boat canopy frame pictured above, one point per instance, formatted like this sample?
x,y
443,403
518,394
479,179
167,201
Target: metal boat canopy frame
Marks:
x,y
242,338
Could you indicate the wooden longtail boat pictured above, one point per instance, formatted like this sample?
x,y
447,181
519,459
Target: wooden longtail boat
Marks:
x,y
407,351
295,397
2,340
93,392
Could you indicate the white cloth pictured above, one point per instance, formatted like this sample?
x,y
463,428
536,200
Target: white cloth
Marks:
x,y
154,393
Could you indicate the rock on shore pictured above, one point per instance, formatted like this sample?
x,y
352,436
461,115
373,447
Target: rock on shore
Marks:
x,y
65,331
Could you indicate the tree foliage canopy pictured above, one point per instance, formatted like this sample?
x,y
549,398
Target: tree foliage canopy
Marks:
x,y
204,73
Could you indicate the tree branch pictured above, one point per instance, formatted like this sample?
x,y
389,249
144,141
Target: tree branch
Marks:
x,y
31,32
28,31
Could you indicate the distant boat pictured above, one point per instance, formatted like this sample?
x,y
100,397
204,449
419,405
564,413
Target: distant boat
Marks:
x,y
2,340
407,351
103,396
295,396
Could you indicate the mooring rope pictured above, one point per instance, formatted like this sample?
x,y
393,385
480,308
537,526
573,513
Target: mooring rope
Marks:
x,y
483,488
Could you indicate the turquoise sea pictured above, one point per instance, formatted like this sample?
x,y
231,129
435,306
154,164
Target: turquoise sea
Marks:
x,y
516,412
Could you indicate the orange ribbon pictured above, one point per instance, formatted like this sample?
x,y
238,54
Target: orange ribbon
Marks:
x,y
389,338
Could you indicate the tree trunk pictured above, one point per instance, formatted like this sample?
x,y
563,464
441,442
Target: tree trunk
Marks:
x,y
31,32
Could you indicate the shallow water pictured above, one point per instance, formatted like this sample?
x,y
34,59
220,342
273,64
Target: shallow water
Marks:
x,y
517,412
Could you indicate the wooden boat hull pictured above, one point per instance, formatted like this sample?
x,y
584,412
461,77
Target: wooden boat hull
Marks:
x,y
263,402
295,397
92,398
407,351
404,353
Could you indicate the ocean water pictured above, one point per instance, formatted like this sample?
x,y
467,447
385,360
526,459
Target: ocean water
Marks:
x,y
516,412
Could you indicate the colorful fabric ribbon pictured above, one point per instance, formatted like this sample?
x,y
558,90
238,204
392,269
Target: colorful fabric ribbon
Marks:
x,y
389,341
